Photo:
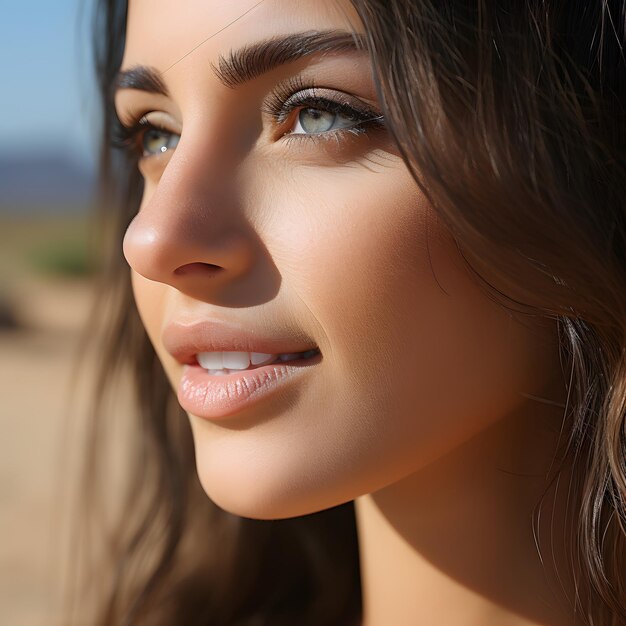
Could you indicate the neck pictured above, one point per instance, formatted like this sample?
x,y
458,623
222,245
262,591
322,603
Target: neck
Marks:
x,y
453,544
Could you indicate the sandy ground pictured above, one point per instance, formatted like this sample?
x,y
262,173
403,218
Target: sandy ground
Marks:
x,y
35,364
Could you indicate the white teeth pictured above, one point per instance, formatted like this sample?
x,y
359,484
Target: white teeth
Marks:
x,y
210,360
221,363
235,360
257,358
225,361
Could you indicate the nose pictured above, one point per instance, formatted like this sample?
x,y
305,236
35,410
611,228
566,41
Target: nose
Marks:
x,y
191,234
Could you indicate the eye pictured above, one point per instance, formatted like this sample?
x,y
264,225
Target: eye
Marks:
x,y
157,141
311,121
144,138
319,113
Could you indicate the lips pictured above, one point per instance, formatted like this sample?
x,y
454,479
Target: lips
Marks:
x,y
215,395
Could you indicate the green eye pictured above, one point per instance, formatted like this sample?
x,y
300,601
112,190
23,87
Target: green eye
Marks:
x,y
157,141
143,138
316,120
311,113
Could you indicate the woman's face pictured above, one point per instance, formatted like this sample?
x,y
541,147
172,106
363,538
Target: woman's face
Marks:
x,y
284,221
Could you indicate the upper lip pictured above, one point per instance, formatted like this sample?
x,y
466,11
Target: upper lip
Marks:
x,y
184,341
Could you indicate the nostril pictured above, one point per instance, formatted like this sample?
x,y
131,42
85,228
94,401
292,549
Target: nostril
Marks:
x,y
197,268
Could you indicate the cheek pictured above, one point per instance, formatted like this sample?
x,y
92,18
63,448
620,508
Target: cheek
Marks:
x,y
417,358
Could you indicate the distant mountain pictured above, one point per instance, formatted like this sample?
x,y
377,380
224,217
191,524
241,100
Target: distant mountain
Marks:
x,y
44,183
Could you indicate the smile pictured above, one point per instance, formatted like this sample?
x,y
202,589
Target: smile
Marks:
x,y
222,363
215,394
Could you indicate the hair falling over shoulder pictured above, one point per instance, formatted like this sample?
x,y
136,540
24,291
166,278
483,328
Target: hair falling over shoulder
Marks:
x,y
511,118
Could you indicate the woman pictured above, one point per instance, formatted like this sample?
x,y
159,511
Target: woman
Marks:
x,y
382,279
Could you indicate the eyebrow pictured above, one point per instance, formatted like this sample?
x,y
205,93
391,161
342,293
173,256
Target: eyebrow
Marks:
x,y
253,60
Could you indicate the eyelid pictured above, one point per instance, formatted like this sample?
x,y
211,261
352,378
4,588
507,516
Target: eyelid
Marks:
x,y
162,121
293,92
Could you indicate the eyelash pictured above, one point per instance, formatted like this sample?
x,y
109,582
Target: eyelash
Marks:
x,y
284,99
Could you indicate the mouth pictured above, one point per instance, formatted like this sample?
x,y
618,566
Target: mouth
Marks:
x,y
228,368
217,394
223,363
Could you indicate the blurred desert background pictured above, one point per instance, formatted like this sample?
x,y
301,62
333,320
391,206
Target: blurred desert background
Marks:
x,y
49,127
44,300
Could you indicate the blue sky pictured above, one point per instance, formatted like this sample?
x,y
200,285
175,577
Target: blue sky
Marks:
x,y
45,69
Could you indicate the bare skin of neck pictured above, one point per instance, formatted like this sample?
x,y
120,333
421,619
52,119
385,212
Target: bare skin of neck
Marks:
x,y
453,544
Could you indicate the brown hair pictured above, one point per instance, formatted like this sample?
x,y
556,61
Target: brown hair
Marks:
x,y
510,116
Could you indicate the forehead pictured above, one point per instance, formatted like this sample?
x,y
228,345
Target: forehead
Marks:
x,y
162,33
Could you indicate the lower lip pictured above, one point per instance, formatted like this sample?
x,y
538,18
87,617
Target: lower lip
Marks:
x,y
214,397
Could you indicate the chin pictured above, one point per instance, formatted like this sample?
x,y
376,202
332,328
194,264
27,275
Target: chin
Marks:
x,y
260,491
256,501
